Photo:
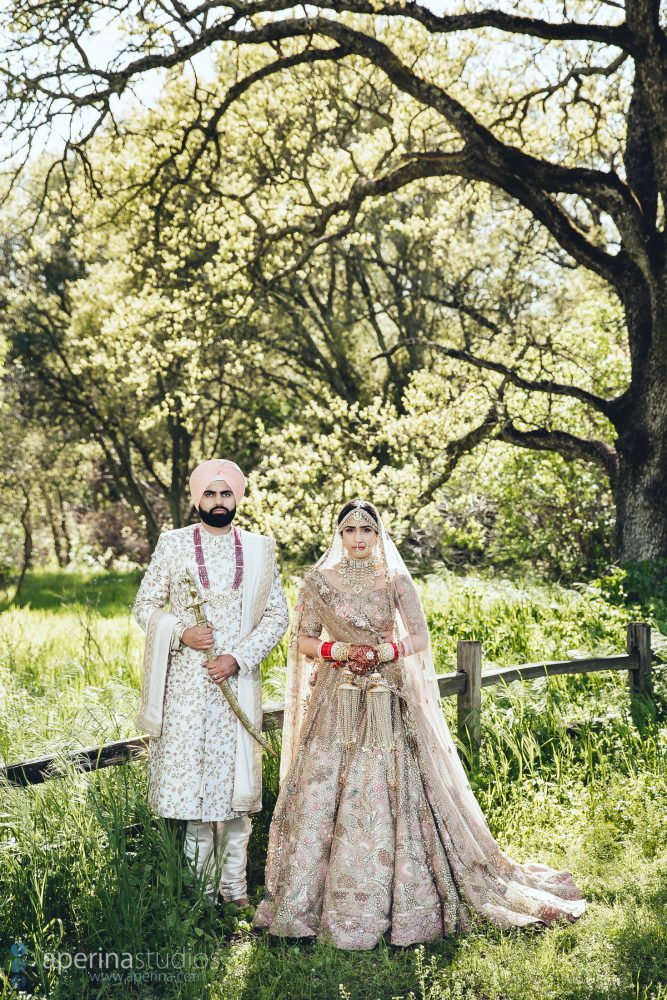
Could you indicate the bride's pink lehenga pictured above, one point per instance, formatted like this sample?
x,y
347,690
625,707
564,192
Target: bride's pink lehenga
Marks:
x,y
366,842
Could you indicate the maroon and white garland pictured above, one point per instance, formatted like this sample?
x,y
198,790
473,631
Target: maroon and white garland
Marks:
x,y
201,562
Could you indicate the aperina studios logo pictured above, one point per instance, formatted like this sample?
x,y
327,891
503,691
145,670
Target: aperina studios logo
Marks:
x,y
116,967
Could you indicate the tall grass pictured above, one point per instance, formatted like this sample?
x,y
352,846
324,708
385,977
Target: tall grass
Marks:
x,y
85,868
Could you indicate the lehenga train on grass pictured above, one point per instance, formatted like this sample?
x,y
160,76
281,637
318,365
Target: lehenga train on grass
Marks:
x,y
376,831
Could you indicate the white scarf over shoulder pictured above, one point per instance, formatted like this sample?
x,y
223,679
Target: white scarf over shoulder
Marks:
x,y
258,556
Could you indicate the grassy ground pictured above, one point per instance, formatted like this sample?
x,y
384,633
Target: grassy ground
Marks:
x,y
592,799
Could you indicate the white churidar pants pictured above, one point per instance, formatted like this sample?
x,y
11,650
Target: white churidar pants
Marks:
x,y
218,851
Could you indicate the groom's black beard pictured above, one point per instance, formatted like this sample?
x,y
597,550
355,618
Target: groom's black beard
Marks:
x,y
216,520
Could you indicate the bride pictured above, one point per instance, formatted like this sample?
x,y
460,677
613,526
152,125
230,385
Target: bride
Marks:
x,y
376,830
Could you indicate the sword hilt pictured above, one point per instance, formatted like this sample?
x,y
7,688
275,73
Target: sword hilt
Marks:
x,y
200,617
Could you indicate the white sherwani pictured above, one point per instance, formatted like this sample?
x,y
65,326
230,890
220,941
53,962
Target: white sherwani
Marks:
x,y
191,763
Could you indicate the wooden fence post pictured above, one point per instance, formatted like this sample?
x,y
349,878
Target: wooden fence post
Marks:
x,y
639,644
469,702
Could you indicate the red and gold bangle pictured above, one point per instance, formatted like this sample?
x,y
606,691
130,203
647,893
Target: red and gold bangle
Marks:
x,y
388,651
334,650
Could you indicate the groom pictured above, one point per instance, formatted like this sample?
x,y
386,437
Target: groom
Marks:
x,y
204,766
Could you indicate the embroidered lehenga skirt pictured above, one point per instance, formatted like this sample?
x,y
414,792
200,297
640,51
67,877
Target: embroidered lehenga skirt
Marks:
x,y
359,847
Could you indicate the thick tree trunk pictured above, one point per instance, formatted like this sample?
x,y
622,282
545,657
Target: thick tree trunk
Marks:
x,y
641,417
641,508
640,490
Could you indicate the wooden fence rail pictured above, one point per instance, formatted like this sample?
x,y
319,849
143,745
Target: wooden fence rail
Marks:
x,y
466,683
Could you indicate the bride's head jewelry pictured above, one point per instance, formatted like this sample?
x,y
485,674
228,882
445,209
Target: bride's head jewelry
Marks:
x,y
359,512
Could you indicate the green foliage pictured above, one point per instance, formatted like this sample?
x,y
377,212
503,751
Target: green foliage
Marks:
x,y
520,510
518,620
555,514
642,582
213,328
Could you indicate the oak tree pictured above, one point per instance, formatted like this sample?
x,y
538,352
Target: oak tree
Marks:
x,y
579,143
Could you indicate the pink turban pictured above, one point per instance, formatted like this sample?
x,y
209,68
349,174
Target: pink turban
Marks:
x,y
218,468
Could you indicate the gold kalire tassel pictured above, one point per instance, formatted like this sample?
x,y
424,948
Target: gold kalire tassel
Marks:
x,y
349,701
379,728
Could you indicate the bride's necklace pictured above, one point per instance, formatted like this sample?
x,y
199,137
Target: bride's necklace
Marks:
x,y
358,575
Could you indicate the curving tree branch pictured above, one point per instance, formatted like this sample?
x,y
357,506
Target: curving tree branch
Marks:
x,y
548,386
568,445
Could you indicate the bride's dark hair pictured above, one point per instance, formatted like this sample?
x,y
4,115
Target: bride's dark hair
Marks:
x,y
364,506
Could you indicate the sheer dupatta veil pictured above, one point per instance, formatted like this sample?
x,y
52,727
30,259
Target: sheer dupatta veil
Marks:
x,y
495,885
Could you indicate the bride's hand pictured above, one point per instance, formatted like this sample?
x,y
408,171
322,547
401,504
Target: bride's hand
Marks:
x,y
366,656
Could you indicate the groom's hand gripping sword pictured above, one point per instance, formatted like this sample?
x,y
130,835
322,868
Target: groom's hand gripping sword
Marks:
x,y
224,686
